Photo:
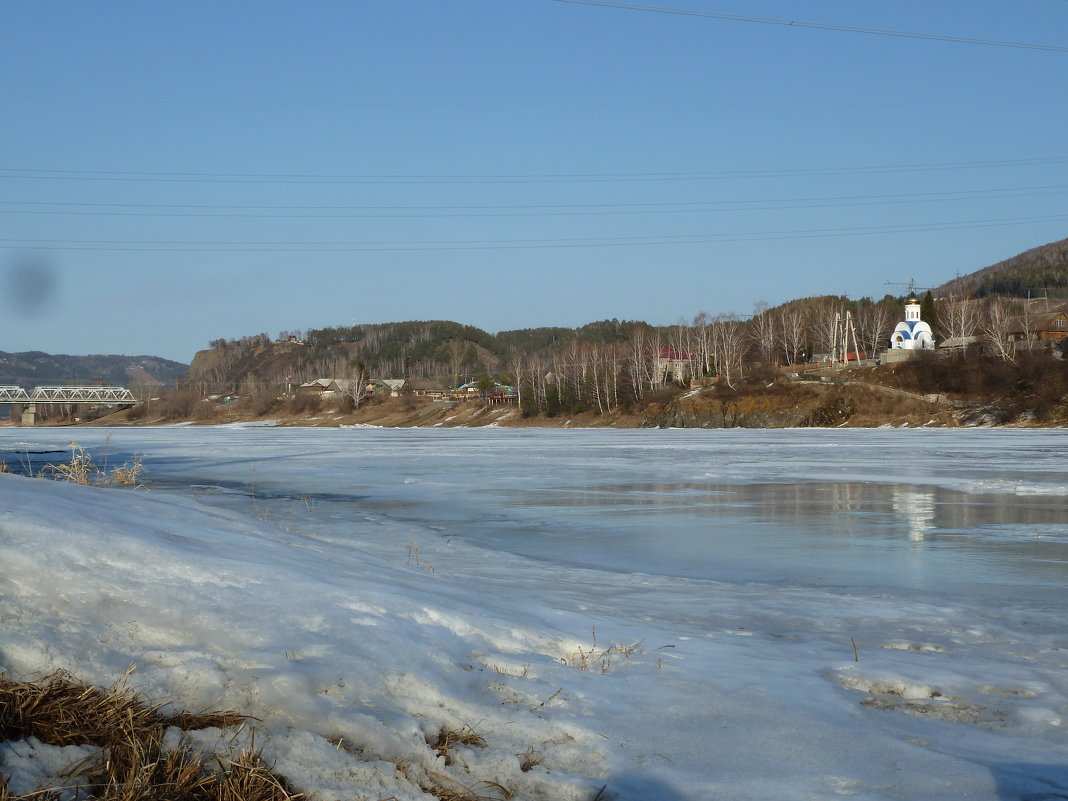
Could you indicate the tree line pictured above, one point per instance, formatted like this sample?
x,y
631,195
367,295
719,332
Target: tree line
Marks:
x,y
605,365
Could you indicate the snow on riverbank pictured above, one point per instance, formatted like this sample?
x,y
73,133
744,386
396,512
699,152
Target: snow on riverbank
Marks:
x,y
334,653
357,652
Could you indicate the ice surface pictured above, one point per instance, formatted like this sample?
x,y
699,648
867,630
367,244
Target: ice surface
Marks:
x,y
672,614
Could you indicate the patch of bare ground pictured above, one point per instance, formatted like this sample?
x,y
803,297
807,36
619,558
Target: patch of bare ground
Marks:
x,y
760,402
872,408
920,700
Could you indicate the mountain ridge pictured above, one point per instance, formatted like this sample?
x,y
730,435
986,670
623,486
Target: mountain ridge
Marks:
x,y
1038,269
37,368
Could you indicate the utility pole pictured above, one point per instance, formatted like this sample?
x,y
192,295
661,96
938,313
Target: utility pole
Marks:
x,y
850,329
843,330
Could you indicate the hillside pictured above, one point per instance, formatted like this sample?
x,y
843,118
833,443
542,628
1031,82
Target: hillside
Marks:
x,y
441,350
34,368
929,391
1040,270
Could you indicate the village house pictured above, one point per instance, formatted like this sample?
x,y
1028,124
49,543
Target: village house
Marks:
x,y
424,387
465,391
674,365
316,387
389,387
960,343
327,388
500,394
497,393
1047,328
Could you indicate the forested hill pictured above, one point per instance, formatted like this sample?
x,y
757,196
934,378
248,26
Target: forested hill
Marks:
x,y
1036,271
451,352
34,368
438,349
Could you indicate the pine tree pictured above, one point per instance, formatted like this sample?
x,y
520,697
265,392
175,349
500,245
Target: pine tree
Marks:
x,y
929,313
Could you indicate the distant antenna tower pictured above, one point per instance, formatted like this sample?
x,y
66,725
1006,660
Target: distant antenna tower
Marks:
x,y
913,289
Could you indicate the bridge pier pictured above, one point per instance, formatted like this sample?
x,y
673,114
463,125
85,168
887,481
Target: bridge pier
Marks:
x,y
29,415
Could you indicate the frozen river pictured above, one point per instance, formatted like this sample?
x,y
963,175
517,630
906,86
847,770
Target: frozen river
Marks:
x,y
939,511
748,563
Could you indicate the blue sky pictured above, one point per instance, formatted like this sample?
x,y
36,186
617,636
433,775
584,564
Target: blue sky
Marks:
x,y
171,173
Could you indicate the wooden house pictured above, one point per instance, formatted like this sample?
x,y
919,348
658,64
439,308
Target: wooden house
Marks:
x,y
1046,327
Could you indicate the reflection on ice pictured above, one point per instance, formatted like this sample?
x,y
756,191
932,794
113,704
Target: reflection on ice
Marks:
x,y
916,508
839,533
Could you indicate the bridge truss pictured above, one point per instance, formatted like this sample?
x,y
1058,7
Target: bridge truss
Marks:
x,y
16,394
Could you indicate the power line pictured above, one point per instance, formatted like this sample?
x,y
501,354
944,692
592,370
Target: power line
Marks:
x,y
519,244
819,25
23,173
234,211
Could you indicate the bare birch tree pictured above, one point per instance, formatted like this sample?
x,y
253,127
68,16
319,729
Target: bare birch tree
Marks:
x,y
702,341
793,333
358,377
1027,324
729,340
657,374
638,361
457,349
959,317
996,327
762,332
825,326
874,325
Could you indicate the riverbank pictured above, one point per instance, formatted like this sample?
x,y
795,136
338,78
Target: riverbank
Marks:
x,y
932,392
829,403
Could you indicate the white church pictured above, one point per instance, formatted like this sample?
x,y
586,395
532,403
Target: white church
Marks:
x,y
912,333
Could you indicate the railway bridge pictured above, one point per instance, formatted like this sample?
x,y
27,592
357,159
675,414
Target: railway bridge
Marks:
x,y
12,394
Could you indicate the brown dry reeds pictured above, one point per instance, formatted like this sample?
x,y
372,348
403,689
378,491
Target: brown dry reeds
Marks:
x,y
81,469
529,759
449,789
601,658
132,764
447,739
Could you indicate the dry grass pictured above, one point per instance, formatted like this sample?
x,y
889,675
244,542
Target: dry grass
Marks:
x,y
547,699
127,475
447,739
529,759
132,764
449,789
416,559
599,658
81,469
